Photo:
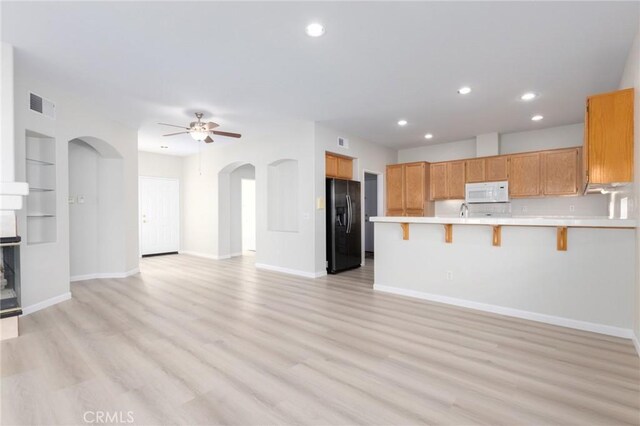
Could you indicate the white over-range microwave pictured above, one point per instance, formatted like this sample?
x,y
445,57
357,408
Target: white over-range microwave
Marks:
x,y
487,192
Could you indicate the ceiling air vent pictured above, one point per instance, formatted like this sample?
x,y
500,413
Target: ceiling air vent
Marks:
x,y
343,143
42,106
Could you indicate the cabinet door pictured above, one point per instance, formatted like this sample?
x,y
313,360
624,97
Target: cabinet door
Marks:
x,y
497,168
455,180
524,175
345,168
414,188
609,137
438,178
395,190
560,172
475,170
331,165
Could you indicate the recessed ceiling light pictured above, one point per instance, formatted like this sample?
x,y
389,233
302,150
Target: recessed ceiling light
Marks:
x,y
163,147
537,117
528,96
464,90
428,136
402,122
315,30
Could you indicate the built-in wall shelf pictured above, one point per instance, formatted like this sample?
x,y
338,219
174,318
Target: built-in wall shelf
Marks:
x,y
35,162
41,177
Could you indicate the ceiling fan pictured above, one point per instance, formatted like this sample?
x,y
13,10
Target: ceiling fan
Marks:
x,y
200,130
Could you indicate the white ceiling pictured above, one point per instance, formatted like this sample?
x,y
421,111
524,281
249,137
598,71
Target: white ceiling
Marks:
x,y
378,62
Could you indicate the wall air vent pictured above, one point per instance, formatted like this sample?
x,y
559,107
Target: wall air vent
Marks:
x,y
42,106
343,143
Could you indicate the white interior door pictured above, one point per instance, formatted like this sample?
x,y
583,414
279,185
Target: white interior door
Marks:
x,y
248,190
159,215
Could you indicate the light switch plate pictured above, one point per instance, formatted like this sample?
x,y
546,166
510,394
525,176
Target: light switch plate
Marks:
x,y
80,199
320,203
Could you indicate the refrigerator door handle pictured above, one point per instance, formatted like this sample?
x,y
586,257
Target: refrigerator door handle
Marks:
x,y
348,214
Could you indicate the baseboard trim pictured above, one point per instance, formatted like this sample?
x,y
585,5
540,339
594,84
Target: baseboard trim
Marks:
x,y
636,343
102,275
204,255
46,303
517,313
290,271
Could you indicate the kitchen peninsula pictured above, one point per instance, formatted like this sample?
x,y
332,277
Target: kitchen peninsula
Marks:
x,y
587,284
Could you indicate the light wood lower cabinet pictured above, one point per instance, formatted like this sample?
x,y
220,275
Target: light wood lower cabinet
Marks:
x,y
561,172
408,190
524,175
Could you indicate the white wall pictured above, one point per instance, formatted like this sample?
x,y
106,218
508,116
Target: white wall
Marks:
x,y
439,152
45,267
159,165
539,140
261,144
246,171
370,157
7,139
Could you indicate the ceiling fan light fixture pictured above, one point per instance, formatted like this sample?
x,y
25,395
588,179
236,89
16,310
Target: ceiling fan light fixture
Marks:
x,y
198,134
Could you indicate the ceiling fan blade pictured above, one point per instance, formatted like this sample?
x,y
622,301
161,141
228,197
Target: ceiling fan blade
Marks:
x,y
229,134
208,139
173,125
211,125
173,134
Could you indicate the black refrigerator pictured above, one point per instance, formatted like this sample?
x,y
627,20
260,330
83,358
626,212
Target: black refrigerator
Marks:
x,y
343,225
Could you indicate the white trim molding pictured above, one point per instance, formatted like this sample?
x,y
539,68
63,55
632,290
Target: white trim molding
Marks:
x,y
636,343
205,255
46,303
290,271
102,275
511,312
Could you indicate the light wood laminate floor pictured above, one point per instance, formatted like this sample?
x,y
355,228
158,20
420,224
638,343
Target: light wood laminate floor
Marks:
x,y
196,341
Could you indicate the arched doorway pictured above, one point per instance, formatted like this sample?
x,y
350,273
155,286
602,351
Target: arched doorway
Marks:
x,y
96,217
237,210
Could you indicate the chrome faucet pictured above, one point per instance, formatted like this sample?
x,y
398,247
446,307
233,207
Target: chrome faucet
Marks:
x,y
464,210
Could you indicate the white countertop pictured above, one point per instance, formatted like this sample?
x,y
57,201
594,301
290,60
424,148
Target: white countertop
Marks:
x,y
569,221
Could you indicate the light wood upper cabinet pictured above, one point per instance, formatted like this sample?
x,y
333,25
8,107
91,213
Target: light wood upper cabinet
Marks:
x,y
475,170
524,175
408,190
456,180
414,189
331,165
395,190
608,144
561,171
338,167
438,173
496,168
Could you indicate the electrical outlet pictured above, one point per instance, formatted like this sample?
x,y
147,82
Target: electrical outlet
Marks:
x,y
72,200
80,199
524,209
572,208
449,275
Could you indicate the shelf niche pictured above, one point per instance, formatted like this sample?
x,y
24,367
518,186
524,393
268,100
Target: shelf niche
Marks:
x,y
40,153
